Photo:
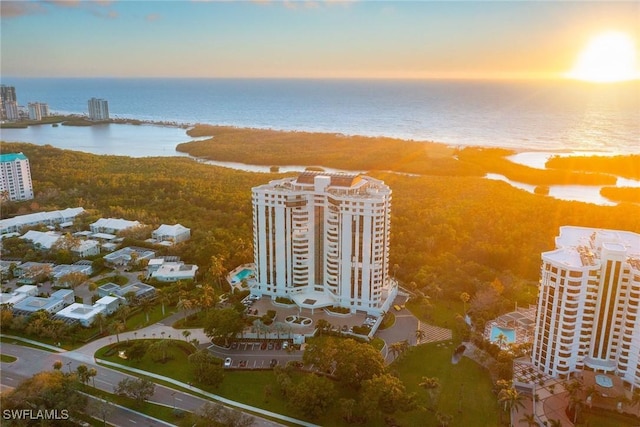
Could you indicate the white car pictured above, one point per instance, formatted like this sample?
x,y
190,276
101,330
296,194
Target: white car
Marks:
x,y
227,362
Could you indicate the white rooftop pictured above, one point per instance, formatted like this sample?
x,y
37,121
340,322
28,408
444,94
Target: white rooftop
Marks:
x,y
115,223
45,240
582,246
171,230
81,311
40,217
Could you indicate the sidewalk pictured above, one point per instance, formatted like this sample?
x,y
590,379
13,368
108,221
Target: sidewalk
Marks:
x,y
212,396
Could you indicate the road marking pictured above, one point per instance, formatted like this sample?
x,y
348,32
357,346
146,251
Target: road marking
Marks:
x,y
103,381
9,378
178,399
132,421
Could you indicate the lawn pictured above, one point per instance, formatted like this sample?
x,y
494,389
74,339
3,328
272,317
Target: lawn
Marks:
x,y
477,406
139,319
6,358
466,388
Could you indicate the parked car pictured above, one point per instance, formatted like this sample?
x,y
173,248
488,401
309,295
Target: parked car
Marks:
x,y
285,345
273,363
270,346
227,362
263,346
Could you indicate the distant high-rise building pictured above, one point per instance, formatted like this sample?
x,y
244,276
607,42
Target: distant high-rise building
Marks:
x,y
8,95
588,304
98,109
38,110
323,240
10,110
15,177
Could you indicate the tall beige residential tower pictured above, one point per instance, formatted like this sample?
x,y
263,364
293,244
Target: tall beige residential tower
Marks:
x,y
323,240
588,304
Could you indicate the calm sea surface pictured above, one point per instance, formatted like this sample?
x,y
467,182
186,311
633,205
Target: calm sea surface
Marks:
x,y
551,116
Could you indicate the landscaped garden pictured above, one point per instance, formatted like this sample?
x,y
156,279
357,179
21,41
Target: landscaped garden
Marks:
x,y
464,392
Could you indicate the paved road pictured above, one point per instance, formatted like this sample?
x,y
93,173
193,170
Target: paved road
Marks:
x,y
31,361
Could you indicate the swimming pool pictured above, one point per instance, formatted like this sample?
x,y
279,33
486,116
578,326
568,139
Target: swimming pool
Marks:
x,y
243,274
509,334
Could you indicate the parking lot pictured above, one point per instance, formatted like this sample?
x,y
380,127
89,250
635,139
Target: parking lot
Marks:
x,y
257,354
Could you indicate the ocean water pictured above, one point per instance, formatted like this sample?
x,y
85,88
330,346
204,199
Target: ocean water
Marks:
x,y
524,115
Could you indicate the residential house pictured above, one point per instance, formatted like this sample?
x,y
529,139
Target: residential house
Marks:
x,y
112,225
126,256
52,218
171,234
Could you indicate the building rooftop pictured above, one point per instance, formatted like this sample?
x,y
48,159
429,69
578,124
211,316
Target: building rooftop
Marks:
x,y
337,179
40,217
81,311
10,157
582,246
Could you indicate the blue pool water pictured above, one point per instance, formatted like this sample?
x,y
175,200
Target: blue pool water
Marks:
x,y
242,275
510,334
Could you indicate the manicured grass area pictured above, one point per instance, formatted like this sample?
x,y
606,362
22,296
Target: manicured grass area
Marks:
x,y
465,393
26,344
388,321
195,320
475,406
442,313
176,366
7,358
151,409
139,319
377,343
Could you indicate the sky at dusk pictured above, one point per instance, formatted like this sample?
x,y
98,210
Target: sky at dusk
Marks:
x,y
305,39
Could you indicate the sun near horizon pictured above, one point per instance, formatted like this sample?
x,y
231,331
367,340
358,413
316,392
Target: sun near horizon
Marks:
x,y
609,57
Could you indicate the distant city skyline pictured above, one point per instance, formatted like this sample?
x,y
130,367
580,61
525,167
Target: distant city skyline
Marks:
x,y
304,39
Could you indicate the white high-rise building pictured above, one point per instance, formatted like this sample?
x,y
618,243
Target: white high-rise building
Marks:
x,y
323,240
98,109
15,177
11,111
588,304
38,110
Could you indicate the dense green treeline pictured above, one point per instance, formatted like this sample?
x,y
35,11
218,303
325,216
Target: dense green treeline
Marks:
x,y
627,166
214,202
268,147
621,194
449,234
460,233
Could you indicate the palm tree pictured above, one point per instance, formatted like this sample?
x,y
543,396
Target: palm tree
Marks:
x,y
116,327
100,320
530,419
511,399
185,304
207,297
501,340
161,346
432,385
93,372
444,419
164,297
464,297
575,397
146,305
420,335
186,334
555,423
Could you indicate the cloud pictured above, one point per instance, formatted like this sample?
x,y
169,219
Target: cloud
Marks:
x,y
153,17
14,9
